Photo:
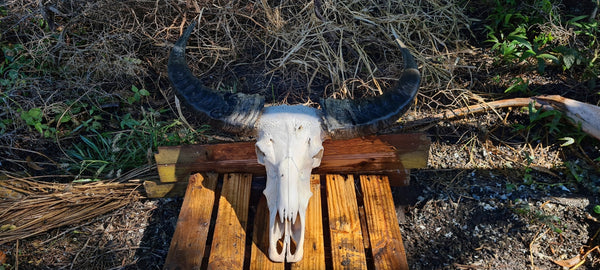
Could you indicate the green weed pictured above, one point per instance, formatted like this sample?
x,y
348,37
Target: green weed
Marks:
x,y
35,118
11,69
518,85
590,57
107,154
137,94
517,33
538,216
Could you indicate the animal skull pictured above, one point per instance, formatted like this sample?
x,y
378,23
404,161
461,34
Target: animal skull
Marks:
x,y
289,144
289,138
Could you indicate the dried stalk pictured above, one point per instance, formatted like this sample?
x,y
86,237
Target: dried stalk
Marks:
x,y
34,207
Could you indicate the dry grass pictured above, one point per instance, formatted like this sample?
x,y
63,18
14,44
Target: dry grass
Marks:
x,y
281,49
32,207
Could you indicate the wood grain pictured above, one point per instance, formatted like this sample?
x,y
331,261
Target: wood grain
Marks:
x,y
373,154
384,233
189,240
228,244
347,246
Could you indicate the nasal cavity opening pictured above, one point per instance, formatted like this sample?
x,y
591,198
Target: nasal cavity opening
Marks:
x,y
279,245
296,233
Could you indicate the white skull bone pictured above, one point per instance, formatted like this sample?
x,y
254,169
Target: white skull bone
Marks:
x,y
289,145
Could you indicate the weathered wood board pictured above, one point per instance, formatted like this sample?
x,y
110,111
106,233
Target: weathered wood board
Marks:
x,y
392,155
372,154
229,238
382,223
189,240
363,233
347,246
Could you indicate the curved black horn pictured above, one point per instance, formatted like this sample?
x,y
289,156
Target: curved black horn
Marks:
x,y
233,113
348,118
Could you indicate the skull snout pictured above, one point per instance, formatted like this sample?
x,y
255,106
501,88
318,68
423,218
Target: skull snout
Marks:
x,y
286,239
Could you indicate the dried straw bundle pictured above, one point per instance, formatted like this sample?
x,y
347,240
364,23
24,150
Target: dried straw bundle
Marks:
x,y
32,207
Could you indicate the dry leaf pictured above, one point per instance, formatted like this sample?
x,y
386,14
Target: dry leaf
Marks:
x,y
568,263
3,257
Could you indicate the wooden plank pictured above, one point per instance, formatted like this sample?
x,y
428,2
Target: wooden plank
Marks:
x,y
156,189
187,246
259,256
314,247
382,223
347,247
229,238
384,153
220,158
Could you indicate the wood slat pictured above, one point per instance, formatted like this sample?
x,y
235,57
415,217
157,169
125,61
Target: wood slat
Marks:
x,y
228,245
314,246
382,223
384,153
259,256
344,225
189,240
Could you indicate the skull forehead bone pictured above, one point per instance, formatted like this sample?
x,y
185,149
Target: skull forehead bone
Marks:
x,y
289,145
289,138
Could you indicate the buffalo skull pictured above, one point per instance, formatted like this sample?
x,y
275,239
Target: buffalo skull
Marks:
x,y
289,138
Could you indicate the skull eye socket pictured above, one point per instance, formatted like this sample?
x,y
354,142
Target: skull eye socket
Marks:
x,y
317,158
260,155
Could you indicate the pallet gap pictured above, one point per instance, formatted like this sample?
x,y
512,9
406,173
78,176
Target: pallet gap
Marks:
x,y
325,220
256,189
363,223
213,219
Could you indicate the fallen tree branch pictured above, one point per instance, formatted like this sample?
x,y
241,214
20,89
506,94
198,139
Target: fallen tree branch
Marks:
x,y
579,114
473,109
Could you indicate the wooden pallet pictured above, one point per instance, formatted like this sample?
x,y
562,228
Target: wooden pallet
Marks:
x,y
223,221
344,230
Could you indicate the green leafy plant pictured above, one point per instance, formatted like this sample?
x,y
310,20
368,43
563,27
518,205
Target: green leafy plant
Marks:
x,y
539,216
518,85
539,117
11,69
575,171
590,58
35,118
516,32
107,154
137,94
597,209
528,177
83,117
